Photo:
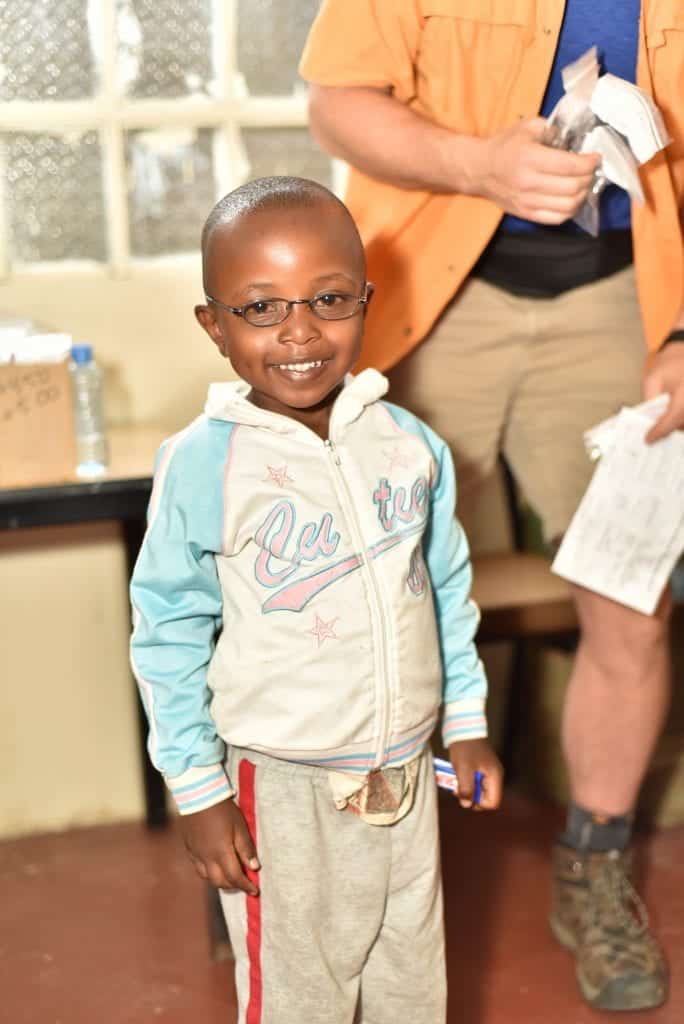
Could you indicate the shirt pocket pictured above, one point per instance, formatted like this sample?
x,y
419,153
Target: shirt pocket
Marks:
x,y
493,12
664,29
471,52
663,17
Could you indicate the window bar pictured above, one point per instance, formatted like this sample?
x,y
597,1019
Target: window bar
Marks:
x,y
4,238
224,42
111,130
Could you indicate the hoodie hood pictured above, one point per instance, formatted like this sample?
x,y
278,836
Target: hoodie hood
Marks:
x,y
228,401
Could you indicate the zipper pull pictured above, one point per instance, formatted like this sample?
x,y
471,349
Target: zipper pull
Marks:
x,y
333,451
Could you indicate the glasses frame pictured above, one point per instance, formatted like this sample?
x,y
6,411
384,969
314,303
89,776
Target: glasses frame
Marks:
x,y
361,300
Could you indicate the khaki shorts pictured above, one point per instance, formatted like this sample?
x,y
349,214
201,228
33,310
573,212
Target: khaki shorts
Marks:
x,y
526,377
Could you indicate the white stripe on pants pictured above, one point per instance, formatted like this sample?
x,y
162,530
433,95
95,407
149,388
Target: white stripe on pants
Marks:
x,y
350,914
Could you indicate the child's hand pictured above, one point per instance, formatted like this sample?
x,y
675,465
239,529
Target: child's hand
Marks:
x,y
221,847
468,757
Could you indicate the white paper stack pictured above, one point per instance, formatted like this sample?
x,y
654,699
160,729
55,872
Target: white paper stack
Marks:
x,y
628,531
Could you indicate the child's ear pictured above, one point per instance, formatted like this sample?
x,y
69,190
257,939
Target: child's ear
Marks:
x,y
370,292
206,319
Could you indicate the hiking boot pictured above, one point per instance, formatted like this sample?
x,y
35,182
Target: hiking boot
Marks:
x,y
599,917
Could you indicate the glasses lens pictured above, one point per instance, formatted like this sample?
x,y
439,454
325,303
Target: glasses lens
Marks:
x,y
334,305
265,312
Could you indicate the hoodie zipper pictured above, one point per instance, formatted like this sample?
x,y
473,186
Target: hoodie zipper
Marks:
x,y
376,601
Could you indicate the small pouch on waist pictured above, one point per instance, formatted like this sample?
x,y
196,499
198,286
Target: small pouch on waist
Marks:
x,y
383,797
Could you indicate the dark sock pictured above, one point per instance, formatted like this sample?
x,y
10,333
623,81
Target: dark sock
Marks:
x,y
595,833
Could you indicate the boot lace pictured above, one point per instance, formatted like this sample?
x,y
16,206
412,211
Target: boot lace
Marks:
x,y
617,906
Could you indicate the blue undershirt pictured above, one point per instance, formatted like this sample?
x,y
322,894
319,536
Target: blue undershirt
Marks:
x,y
614,30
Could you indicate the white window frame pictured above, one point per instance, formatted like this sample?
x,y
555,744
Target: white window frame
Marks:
x,y
111,115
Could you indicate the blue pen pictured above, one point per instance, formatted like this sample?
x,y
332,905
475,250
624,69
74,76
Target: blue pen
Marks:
x,y
446,778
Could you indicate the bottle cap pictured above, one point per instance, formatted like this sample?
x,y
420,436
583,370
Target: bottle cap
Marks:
x,y
82,353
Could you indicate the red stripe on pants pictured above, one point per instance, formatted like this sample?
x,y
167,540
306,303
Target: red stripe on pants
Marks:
x,y
246,775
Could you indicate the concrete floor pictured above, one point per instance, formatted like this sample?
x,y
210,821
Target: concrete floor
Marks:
x,y
108,926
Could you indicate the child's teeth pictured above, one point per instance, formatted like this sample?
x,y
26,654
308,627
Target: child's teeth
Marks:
x,y
300,367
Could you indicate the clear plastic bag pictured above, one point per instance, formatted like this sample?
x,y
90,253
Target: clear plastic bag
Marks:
x,y
606,115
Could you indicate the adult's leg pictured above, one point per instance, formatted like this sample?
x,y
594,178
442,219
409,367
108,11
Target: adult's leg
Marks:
x,y
584,363
616,702
460,381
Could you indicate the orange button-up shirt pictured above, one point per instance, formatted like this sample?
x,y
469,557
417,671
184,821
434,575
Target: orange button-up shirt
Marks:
x,y
477,66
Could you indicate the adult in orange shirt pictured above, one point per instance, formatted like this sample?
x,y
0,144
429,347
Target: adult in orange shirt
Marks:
x,y
509,330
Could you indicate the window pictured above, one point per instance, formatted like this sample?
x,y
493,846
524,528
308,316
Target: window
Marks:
x,y
122,121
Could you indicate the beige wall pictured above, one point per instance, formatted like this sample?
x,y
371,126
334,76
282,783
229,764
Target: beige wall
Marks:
x,y
67,725
156,359
68,747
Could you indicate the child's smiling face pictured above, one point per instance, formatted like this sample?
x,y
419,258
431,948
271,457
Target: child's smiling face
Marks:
x,y
295,367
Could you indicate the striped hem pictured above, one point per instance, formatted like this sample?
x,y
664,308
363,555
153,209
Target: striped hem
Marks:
x,y
464,721
361,763
200,788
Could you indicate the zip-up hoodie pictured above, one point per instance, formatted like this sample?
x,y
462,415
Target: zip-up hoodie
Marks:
x,y
303,598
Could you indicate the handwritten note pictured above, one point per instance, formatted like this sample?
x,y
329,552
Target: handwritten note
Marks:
x,y
628,530
36,424
23,389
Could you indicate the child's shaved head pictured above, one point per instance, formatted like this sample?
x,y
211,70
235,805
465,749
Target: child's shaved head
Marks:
x,y
264,194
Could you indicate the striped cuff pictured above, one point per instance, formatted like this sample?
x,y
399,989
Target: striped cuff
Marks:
x,y
464,720
199,788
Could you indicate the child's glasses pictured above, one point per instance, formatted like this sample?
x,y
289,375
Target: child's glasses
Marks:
x,y
268,312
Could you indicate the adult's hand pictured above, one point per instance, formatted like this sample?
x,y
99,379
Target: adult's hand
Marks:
x,y
666,373
529,179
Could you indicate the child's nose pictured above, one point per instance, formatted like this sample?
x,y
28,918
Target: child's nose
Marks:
x,y
301,326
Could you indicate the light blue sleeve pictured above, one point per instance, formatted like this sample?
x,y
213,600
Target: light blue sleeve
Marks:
x,y
177,614
447,557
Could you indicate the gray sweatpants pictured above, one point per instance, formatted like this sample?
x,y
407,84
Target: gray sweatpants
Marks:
x,y
348,925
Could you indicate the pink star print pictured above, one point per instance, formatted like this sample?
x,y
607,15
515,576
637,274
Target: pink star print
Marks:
x,y
324,630
279,476
396,458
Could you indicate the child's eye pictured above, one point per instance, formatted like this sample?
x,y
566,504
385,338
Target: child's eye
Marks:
x,y
264,312
328,299
260,307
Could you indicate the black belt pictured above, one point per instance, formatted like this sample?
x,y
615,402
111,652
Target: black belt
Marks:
x,y
547,261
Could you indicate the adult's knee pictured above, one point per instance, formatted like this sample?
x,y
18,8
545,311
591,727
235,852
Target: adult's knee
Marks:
x,y
616,635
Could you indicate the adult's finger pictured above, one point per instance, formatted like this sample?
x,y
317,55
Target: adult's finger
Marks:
x,y
672,419
546,216
561,163
555,185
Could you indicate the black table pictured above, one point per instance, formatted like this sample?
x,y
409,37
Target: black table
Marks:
x,y
122,494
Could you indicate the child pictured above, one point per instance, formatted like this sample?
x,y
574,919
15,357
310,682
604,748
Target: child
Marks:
x,y
301,602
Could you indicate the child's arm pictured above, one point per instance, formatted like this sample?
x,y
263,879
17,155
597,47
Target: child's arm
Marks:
x,y
177,614
447,558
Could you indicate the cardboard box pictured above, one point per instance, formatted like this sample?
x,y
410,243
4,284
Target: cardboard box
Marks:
x,y
37,443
